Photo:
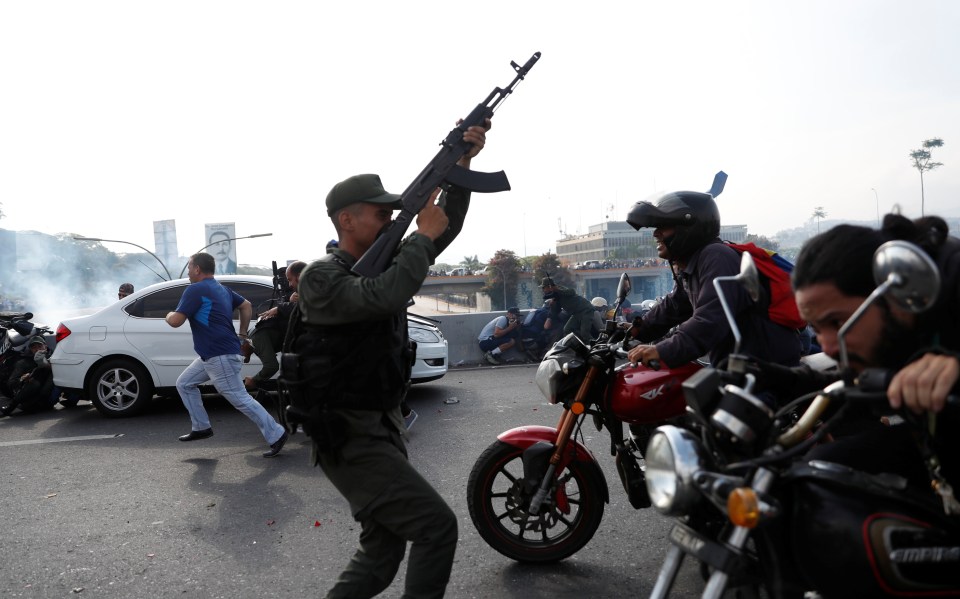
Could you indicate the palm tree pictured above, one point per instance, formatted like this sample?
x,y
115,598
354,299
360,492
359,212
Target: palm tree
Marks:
x,y
921,161
472,264
819,213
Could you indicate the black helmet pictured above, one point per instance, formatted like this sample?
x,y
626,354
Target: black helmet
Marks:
x,y
693,213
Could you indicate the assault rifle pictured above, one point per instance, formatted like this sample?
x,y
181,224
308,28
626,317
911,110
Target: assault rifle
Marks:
x,y
443,172
281,286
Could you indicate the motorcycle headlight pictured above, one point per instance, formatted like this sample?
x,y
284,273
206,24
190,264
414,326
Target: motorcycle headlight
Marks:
x,y
673,456
549,374
562,368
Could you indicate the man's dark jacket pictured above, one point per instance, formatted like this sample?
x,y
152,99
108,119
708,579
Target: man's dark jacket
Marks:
x,y
703,329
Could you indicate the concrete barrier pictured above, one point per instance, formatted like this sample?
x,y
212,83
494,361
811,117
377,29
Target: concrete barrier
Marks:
x,y
461,331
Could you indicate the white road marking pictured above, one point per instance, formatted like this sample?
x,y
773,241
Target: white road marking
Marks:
x,y
58,440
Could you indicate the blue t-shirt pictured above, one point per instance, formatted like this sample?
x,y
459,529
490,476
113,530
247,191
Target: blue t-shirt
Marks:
x,y
209,306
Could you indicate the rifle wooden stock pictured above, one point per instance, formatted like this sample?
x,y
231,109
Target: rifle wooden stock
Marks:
x,y
442,171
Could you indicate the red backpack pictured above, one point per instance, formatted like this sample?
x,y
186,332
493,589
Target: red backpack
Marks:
x,y
776,270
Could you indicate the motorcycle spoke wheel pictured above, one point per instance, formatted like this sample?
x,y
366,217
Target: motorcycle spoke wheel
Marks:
x,y
499,507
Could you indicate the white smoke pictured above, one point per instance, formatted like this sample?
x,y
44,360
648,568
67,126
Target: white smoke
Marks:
x,y
56,277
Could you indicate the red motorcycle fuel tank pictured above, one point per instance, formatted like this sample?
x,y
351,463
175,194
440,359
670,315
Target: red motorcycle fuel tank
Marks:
x,y
641,395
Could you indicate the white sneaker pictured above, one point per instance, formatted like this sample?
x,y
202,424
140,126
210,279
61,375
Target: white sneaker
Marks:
x,y
492,359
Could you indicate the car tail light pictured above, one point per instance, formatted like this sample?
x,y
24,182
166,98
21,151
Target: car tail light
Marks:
x,y
62,332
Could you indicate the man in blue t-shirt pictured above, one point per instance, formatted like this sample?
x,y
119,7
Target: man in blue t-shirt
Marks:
x,y
209,307
500,334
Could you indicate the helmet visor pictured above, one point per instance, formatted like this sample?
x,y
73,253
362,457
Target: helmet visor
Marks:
x,y
668,211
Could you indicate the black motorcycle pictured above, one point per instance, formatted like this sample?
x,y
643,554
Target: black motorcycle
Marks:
x,y
15,331
763,522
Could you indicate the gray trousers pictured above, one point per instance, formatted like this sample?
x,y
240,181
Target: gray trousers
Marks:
x,y
266,343
394,505
581,324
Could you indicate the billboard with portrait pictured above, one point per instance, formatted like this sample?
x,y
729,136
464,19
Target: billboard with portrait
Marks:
x,y
220,238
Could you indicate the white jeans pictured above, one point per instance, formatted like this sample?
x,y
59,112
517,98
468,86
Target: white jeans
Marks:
x,y
224,373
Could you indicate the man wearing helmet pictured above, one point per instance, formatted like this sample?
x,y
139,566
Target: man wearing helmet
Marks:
x,y
32,380
687,228
600,310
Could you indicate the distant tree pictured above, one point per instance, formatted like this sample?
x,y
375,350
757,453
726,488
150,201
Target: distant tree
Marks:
x,y
922,161
526,263
819,213
502,275
548,265
471,263
1,211
763,242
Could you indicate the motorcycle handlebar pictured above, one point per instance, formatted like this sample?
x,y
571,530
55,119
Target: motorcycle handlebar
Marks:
x,y
621,353
799,431
871,387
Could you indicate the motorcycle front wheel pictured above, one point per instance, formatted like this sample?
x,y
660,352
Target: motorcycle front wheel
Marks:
x,y
499,507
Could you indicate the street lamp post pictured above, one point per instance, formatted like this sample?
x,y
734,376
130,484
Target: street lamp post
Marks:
x,y
878,205
504,278
184,269
128,243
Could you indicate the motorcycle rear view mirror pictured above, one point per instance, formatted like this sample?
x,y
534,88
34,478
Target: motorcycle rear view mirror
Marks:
x,y
906,275
916,279
623,288
750,279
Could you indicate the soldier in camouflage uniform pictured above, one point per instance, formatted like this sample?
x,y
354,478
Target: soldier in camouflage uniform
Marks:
x,y
354,351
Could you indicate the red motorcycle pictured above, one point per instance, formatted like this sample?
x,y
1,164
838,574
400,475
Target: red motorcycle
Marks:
x,y
537,494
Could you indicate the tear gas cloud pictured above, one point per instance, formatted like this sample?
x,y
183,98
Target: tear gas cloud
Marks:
x,y
55,277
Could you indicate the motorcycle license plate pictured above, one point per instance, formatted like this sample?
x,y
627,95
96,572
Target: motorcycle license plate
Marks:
x,y
706,550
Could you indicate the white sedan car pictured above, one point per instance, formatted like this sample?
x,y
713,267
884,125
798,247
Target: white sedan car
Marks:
x,y
124,354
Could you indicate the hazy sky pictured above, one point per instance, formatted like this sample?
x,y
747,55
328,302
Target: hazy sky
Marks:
x,y
116,114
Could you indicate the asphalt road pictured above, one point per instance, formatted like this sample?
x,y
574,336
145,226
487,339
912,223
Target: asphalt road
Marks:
x,y
94,507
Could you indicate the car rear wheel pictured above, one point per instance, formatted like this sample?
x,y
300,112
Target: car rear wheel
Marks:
x,y
120,388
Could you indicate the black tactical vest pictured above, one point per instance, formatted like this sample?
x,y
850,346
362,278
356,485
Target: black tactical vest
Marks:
x,y
358,366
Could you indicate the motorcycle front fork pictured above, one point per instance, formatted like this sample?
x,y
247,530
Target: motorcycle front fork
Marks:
x,y
568,420
668,573
761,482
